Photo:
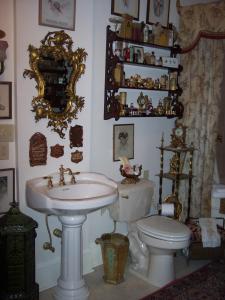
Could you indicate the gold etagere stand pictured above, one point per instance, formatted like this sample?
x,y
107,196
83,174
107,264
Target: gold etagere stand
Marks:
x,y
175,174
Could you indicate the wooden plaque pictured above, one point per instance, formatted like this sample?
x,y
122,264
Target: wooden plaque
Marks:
x,y
38,149
76,136
76,156
57,151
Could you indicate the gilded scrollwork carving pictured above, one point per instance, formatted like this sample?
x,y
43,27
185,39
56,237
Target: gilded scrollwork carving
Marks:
x,y
56,69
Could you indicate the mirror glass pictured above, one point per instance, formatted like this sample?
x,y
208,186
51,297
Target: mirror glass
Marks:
x,y
56,69
56,75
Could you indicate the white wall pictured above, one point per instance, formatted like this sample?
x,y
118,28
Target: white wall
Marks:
x,y
7,25
29,32
91,21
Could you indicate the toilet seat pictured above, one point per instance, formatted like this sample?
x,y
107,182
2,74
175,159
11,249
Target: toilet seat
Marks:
x,y
164,228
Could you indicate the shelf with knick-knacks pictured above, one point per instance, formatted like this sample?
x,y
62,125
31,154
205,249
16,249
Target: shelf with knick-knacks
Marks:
x,y
161,88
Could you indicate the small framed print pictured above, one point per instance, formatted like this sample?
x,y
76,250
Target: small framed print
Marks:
x,y
7,188
5,100
158,12
138,56
123,141
129,7
59,14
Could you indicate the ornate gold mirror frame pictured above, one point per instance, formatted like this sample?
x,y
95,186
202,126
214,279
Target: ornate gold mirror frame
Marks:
x,y
56,48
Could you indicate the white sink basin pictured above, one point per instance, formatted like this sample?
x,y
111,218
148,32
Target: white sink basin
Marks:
x,y
90,192
71,203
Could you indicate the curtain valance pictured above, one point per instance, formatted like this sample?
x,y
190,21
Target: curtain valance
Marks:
x,y
200,20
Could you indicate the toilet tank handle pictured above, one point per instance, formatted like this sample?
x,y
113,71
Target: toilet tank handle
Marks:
x,y
125,196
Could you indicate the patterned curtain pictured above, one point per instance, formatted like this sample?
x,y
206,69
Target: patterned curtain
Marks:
x,y
202,38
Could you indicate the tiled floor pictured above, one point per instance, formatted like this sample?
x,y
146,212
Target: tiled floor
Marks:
x,y
133,288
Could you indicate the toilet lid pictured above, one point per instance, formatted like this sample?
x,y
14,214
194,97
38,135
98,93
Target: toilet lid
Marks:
x,y
164,228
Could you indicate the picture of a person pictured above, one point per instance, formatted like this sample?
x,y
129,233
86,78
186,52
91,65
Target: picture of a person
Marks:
x,y
123,137
158,7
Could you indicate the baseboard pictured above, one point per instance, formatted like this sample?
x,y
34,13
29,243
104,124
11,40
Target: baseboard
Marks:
x,y
47,273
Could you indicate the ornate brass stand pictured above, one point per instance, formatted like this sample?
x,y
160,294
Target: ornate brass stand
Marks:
x,y
176,174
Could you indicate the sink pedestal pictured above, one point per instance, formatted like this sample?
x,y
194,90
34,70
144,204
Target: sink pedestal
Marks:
x,y
71,285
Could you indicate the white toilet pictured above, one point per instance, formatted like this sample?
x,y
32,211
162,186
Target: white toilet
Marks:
x,y
163,236
154,239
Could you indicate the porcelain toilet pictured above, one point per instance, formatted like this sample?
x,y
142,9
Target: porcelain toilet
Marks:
x,y
153,239
163,236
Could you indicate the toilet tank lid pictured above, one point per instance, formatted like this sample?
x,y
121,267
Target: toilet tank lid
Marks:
x,y
164,228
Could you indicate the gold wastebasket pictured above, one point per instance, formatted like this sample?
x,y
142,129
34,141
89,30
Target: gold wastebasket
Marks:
x,y
114,247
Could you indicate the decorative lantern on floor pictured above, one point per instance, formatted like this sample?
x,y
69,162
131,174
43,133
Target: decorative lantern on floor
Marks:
x,y
17,256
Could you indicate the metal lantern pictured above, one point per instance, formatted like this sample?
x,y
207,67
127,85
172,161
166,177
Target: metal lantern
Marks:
x,y
17,256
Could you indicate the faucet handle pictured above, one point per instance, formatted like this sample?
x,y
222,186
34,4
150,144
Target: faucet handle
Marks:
x,y
73,180
75,173
50,184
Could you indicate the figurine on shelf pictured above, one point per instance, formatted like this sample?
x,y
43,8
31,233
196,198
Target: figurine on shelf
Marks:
x,y
130,173
167,102
148,105
174,164
141,101
126,28
160,109
116,22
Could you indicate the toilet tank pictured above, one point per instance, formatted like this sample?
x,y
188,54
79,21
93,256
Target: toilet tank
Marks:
x,y
134,201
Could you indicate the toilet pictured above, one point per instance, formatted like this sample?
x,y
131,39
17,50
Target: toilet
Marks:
x,y
163,237
153,239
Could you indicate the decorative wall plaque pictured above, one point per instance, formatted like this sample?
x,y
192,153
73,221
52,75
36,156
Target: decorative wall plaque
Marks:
x,y
57,151
38,149
76,136
76,156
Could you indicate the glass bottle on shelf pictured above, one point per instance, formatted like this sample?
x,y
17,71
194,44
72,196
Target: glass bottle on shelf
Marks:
x,y
118,74
145,33
152,58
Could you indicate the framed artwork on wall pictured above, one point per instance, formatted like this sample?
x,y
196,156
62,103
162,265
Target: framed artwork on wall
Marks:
x,y
138,55
158,12
59,14
123,141
129,7
5,100
7,188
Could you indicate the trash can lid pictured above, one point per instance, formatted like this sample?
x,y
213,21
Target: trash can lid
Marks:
x,y
15,221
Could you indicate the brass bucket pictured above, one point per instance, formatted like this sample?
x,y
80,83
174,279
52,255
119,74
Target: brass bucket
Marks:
x,y
114,247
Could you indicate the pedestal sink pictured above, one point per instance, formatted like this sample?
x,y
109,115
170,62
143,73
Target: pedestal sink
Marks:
x,y
71,203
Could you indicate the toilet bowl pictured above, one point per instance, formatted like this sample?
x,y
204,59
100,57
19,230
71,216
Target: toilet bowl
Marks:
x,y
163,236
153,239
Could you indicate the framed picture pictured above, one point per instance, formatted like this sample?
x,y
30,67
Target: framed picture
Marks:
x,y
7,188
158,12
138,55
59,14
5,100
123,141
129,7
